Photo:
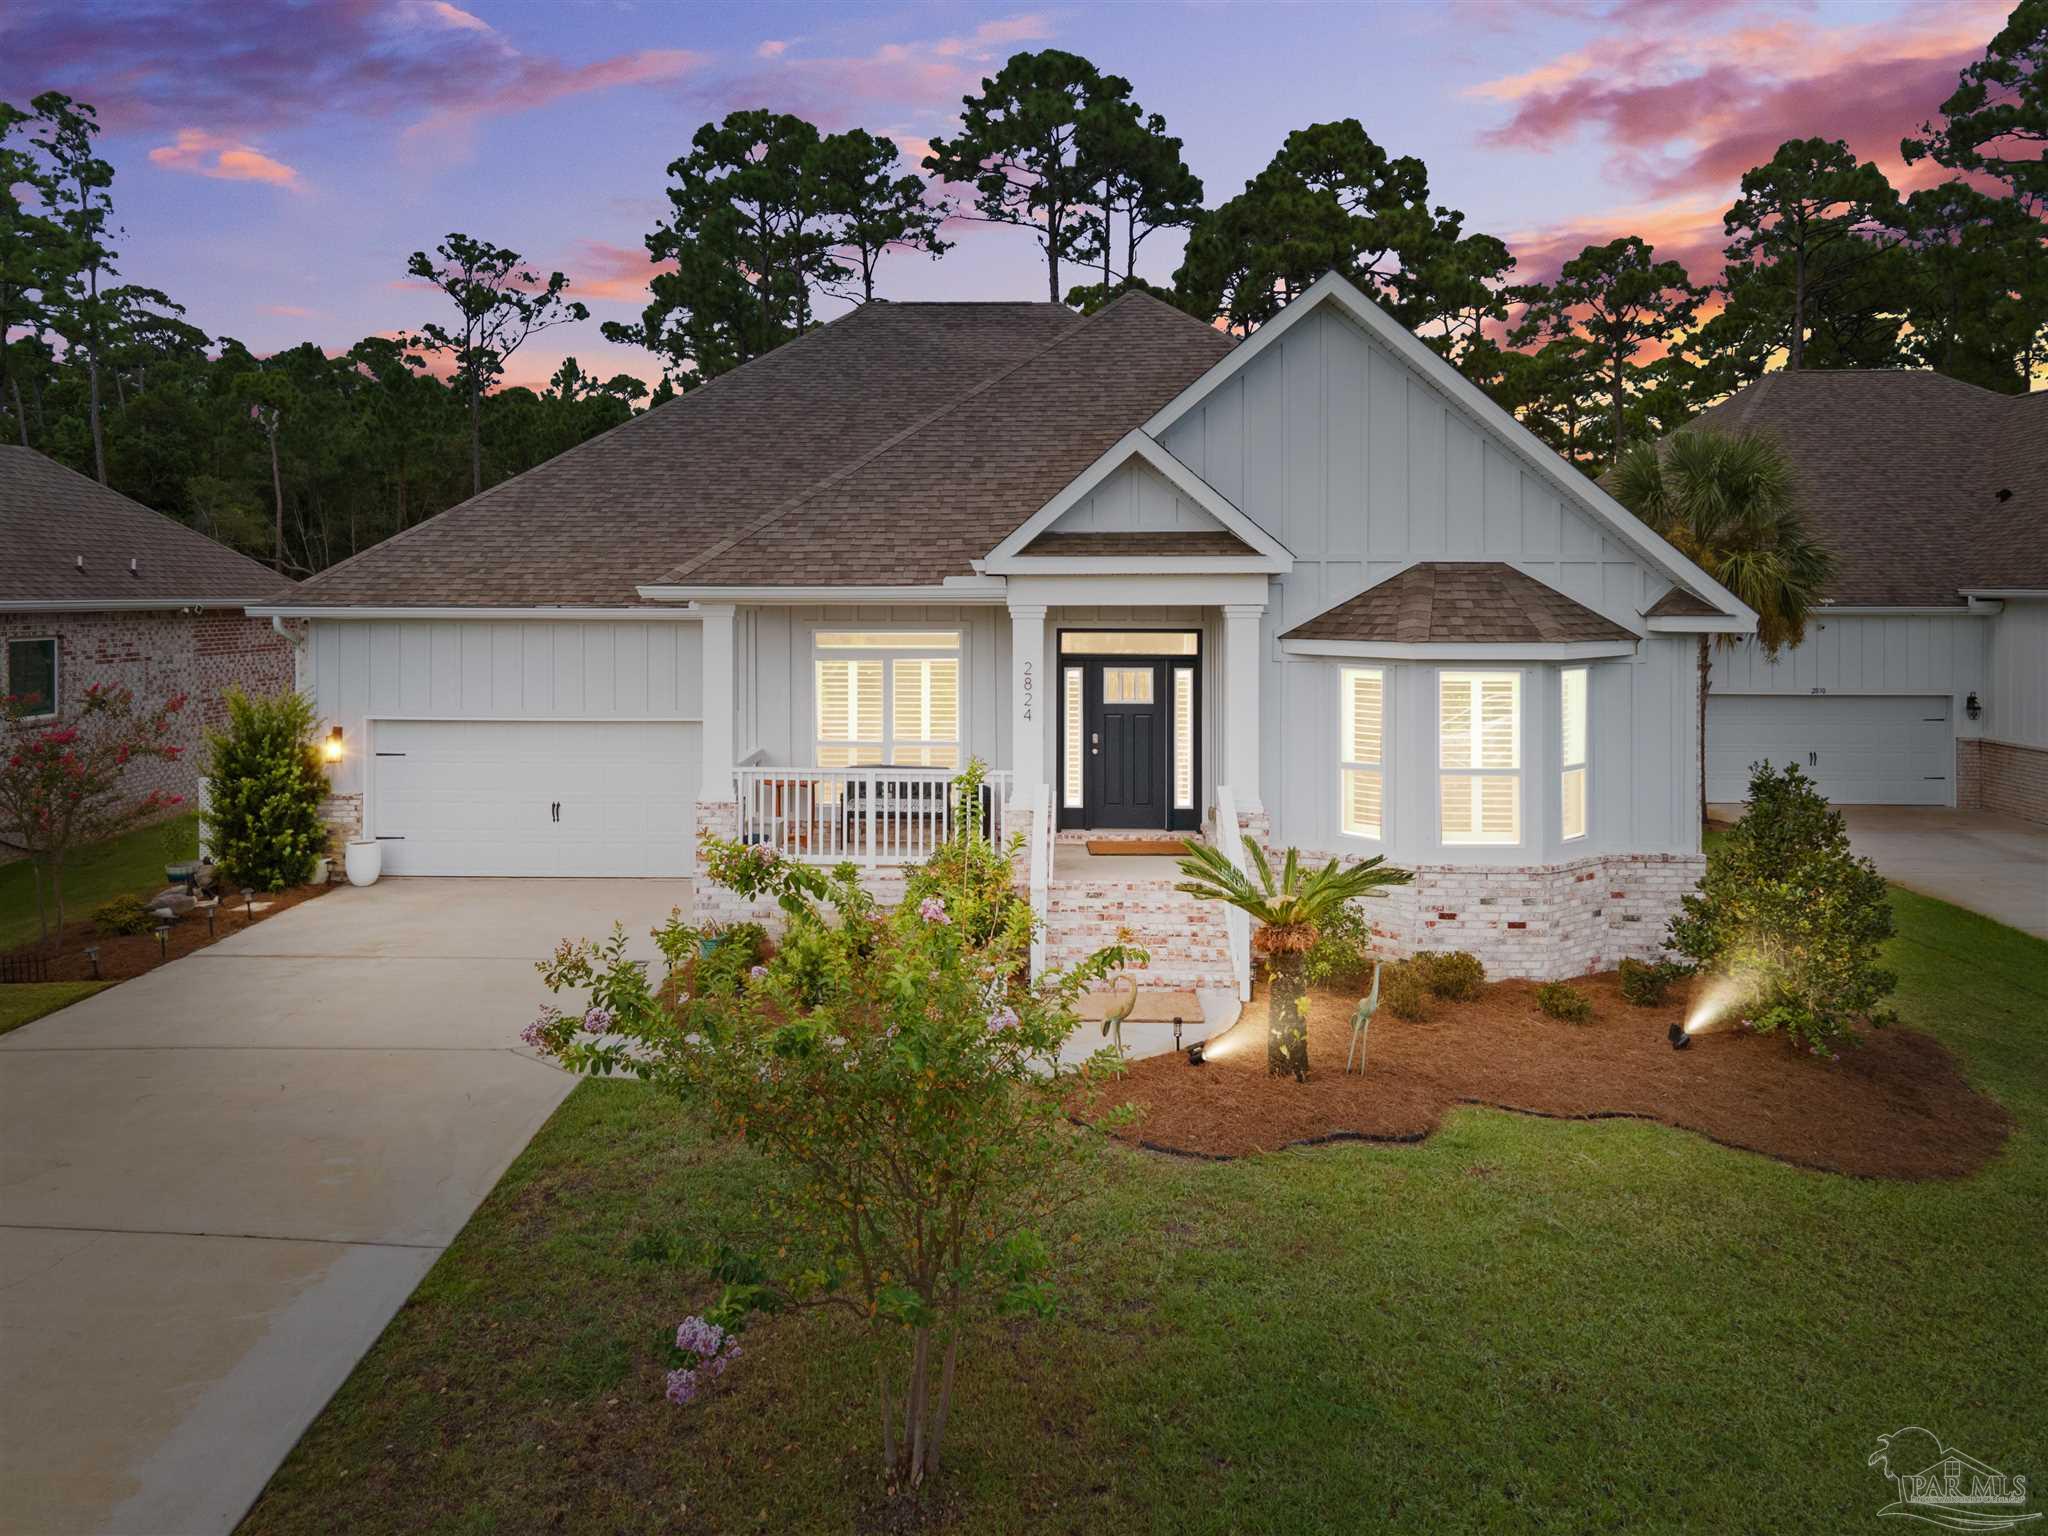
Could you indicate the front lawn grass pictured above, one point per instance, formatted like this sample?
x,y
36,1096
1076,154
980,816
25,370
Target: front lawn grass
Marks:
x,y
129,865
25,1002
1519,1324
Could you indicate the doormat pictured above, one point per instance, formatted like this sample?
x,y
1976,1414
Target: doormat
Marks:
x,y
1158,847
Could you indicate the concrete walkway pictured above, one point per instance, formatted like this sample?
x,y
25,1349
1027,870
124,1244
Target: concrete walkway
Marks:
x,y
1997,865
220,1180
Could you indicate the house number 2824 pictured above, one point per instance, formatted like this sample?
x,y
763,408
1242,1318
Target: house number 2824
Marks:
x,y
1029,690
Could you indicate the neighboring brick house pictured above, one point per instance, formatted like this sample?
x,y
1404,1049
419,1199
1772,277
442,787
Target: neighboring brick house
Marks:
x,y
96,588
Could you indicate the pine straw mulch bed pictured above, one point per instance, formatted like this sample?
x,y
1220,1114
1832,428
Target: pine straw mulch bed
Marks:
x,y
124,955
1895,1107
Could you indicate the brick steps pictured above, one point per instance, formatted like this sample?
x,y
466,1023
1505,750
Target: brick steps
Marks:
x,y
1184,938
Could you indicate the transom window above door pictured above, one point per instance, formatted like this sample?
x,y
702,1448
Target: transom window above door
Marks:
x,y
1130,642
887,697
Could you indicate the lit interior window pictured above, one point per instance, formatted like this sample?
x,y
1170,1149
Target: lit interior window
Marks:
x,y
1573,733
1362,771
1479,735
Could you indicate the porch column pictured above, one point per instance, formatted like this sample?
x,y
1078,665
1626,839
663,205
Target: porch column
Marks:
x,y
1241,656
1028,702
716,782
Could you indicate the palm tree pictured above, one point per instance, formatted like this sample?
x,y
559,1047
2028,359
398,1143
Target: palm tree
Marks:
x,y
1289,914
1726,502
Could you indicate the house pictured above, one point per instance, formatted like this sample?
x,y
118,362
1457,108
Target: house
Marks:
x,y
1924,679
1314,587
96,588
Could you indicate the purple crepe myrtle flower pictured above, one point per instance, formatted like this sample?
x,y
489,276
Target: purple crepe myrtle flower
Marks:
x,y
699,1336
681,1387
1002,1018
762,853
933,910
531,1036
598,1021
757,972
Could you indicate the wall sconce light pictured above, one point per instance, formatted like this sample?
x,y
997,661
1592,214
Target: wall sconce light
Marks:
x,y
1971,707
332,749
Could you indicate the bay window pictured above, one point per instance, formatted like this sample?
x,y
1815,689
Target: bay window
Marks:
x,y
1362,749
1572,732
888,697
1479,757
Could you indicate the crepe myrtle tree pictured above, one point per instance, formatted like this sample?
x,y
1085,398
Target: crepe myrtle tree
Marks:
x,y
63,779
1290,912
901,1071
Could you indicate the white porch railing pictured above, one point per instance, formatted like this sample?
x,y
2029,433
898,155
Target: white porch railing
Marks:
x,y
1043,836
1237,924
866,815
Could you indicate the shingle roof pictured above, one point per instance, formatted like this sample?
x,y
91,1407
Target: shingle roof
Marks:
x,y
1163,543
51,515
894,446
1899,474
1447,602
1680,604
937,498
592,525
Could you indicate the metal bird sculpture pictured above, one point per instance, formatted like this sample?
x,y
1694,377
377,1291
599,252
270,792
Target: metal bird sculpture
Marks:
x,y
1121,1004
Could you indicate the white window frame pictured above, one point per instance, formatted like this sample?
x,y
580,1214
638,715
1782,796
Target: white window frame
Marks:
x,y
1477,838
1568,765
56,672
887,655
1347,766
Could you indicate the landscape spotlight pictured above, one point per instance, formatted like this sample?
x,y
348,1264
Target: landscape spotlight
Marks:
x,y
1195,1053
1678,1037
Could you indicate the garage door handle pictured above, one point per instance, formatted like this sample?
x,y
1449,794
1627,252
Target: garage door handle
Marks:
x,y
557,811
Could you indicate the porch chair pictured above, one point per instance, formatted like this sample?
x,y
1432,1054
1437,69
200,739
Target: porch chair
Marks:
x,y
1360,1017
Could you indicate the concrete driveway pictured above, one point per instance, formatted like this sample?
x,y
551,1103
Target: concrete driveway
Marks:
x,y
1997,865
220,1180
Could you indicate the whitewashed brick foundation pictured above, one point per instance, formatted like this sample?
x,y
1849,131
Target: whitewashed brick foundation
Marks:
x,y
1544,922
1183,938
344,817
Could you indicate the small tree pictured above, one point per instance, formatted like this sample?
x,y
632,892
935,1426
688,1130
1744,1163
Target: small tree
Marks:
x,y
263,820
901,1070
62,780
1791,918
1290,913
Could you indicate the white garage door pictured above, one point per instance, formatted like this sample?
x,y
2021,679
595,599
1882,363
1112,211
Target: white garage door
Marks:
x,y
533,797
1861,750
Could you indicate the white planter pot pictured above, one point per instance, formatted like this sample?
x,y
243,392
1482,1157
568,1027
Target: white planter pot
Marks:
x,y
365,862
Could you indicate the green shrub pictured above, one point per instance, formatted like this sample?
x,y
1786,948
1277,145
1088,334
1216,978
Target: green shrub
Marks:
x,y
1564,1002
734,950
1453,974
1404,991
1791,917
1342,956
124,914
1645,983
263,820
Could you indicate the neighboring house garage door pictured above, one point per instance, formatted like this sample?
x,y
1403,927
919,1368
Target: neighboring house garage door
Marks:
x,y
534,797
1860,749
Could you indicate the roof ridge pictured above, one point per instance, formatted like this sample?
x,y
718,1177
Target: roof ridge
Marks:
x,y
770,519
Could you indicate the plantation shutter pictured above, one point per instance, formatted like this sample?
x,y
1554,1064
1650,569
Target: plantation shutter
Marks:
x,y
1363,784
1572,731
1479,727
849,712
926,721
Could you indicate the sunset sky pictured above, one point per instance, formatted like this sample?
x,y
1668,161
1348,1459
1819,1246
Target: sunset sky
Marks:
x,y
277,162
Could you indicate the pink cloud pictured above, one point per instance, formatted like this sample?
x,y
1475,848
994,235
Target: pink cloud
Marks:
x,y
773,48
209,154
612,272
289,311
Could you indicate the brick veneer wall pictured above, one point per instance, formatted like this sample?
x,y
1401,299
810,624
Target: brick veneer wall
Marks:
x,y
1997,776
1544,922
157,653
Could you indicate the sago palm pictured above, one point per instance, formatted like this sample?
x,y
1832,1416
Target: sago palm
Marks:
x,y
1289,912
1727,503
